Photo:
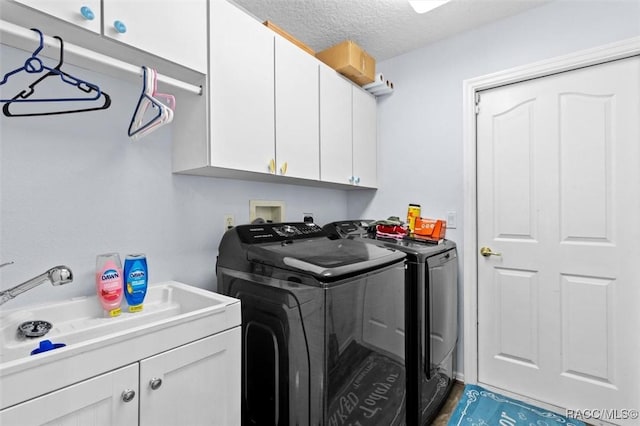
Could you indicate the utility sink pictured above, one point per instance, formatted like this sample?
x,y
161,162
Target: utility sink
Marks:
x,y
173,314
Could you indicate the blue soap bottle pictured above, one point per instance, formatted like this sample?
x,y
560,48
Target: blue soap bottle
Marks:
x,y
135,280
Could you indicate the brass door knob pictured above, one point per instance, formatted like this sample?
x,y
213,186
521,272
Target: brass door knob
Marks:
x,y
486,252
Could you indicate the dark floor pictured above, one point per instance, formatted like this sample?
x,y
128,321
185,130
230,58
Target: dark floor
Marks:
x,y
449,405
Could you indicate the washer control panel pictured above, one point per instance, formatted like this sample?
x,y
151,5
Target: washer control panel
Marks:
x,y
275,232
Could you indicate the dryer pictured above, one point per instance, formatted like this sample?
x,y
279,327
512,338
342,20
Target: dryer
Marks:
x,y
431,315
323,326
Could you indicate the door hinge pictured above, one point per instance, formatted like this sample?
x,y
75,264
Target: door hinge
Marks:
x,y
477,102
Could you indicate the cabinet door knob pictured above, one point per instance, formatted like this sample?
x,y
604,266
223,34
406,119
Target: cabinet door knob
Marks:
x,y
283,168
120,27
357,180
128,395
351,179
272,166
87,13
155,383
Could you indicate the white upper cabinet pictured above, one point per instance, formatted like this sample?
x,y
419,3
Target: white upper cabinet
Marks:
x,y
85,14
241,90
173,30
297,112
365,156
336,153
347,132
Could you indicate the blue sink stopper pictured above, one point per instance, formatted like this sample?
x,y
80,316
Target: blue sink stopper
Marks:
x,y
46,345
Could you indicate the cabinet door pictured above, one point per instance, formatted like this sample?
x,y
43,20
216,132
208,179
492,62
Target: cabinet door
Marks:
x,y
71,11
364,138
241,87
297,111
195,384
173,30
335,128
94,402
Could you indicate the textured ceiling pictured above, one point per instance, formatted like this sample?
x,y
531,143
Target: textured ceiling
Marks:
x,y
383,28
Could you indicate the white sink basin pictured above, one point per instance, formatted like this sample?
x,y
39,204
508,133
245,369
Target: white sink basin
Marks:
x,y
174,314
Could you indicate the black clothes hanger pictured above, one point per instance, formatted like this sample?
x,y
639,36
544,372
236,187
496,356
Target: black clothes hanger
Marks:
x,y
33,65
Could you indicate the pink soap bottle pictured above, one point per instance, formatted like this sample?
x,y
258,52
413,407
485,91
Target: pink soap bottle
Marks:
x,y
109,282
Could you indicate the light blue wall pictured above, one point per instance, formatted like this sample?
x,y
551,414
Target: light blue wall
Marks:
x,y
420,125
73,186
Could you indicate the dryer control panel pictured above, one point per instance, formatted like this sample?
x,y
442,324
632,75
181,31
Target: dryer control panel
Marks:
x,y
277,232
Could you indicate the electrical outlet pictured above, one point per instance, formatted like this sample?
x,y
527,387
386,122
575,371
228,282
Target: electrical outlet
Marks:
x,y
229,222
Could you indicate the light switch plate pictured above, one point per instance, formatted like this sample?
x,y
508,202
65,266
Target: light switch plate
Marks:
x,y
452,219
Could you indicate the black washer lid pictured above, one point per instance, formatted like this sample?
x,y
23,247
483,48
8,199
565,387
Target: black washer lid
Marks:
x,y
323,258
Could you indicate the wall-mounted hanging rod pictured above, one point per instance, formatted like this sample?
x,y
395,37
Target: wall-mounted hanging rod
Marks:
x,y
24,38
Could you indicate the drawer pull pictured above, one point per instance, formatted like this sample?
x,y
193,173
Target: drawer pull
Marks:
x,y
87,13
120,27
155,383
128,395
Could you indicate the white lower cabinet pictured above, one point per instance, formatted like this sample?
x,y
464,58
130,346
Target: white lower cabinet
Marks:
x,y
194,384
98,401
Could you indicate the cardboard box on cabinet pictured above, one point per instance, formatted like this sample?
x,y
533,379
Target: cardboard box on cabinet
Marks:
x,y
351,61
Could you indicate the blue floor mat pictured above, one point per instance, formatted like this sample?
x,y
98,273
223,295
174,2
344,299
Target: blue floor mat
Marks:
x,y
480,407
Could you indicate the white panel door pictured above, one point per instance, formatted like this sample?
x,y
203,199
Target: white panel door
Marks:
x,y
94,402
297,112
559,199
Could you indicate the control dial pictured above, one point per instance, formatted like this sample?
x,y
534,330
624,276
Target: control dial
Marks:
x,y
288,231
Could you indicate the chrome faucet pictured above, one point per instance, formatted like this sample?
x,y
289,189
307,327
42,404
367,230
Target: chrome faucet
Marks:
x,y
57,275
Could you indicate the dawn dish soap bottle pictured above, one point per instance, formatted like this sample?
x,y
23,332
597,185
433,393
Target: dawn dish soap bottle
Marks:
x,y
109,282
135,280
